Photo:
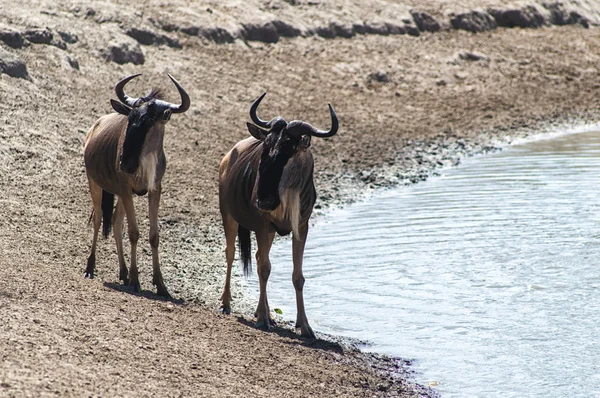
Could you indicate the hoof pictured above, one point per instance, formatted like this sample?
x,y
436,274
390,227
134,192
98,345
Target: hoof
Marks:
x,y
89,269
135,286
225,309
266,326
123,277
307,332
162,291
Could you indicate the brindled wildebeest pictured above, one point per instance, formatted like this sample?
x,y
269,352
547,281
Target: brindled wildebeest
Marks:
x,y
124,155
266,186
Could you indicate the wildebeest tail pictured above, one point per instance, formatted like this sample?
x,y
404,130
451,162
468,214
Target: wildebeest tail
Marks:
x,y
108,205
245,249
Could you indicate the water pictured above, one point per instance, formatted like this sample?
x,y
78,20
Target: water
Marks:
x,y
488,277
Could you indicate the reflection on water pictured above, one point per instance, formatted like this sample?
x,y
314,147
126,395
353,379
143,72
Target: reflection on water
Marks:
x,y
489,277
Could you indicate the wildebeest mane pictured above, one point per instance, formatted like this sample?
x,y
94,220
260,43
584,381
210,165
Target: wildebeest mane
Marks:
x,y
156,93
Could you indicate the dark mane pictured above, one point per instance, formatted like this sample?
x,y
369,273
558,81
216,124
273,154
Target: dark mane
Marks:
x,y
156,93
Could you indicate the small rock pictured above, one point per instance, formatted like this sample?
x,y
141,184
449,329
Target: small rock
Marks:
x,y
188,30
359,28
285,29
124,52
71,61
216,34
472,56
412,30
425,22
70,38
38,36
378,28
266,33
12,38
342,30
12,65
394,29
326,32
149,37
380,76
474,21
560,15
143,36
526,17
172,42
441,82
58,42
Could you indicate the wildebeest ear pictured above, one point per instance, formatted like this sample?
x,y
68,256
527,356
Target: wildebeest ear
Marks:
x,y
120,108
257,132
305,141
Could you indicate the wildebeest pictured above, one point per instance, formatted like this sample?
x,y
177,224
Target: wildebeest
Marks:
x,y
266,186
124,155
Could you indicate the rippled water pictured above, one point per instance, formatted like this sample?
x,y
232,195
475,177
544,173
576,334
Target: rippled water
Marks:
x,y
488,277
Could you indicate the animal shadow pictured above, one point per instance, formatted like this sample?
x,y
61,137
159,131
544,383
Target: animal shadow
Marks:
x,y
150,295
289,332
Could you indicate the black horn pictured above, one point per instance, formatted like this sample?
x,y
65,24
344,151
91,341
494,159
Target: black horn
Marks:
x,y
185,99
255,118
298,127
332,131
124,98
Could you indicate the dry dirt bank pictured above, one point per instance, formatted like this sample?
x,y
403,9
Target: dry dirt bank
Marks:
x,y
406,104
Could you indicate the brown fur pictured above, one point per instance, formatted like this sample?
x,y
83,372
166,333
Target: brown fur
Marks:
x,y
237,197
103,147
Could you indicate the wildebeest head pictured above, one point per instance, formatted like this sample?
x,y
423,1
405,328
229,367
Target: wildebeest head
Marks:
x,y
281,142
143,113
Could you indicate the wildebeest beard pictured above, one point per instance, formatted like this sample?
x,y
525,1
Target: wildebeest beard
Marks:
x,y
140,122
270,171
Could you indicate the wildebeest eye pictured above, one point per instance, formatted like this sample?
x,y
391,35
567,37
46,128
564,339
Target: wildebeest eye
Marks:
x,y
166,115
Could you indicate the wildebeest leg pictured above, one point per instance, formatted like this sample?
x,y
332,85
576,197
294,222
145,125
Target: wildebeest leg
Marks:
x,y
298,243
117,221
157,278
264,241
230,226
134,235
96,194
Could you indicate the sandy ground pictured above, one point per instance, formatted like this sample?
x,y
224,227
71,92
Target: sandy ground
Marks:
x,y
406,106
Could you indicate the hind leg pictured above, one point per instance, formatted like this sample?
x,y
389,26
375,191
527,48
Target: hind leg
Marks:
x,y
96,194
230,226
117,221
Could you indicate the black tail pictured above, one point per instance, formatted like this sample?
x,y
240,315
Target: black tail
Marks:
x,y
245,249
108,205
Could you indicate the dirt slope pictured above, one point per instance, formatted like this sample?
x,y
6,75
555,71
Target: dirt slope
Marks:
x,y
406,104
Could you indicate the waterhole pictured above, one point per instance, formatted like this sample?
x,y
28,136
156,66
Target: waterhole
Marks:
x,y
488,277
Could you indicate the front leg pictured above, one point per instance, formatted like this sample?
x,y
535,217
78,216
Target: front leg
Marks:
x,y
298,243
264,240
134,235
157,278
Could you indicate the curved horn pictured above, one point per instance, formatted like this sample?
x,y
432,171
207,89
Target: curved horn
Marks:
x,y
185,98
124,98
321,133
255,118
